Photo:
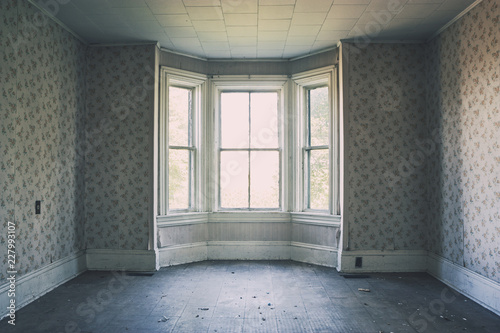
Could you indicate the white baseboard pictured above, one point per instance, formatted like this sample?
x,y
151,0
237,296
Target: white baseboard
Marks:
x,y
384,261
33,285
314,254
473,285
123,260
182,254
248,250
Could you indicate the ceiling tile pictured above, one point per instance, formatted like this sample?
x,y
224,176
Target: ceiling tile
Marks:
x,y
346,11
203,3
277,53
275,12
304,30
417,11
308,18
244,52
312,6
276,2
274,25
186,42
166,6
271,45
326,35
352,2
242,31
205,13
272,35
181,32
386,6
242,41
240,6
212,36
425,1
218,54
209,25
178,20
377,18
215,45
299,40
240,19
339,24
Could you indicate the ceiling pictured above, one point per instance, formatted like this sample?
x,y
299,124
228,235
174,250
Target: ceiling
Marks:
x,y
223,29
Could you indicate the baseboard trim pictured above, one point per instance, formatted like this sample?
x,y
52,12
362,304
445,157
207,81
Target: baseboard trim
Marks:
x,y
35,284
473,285
248,250
384,261
182,254
121,260
314,254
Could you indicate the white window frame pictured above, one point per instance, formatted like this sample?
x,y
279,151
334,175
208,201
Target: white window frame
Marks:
x,y
196,82
302,83
247,83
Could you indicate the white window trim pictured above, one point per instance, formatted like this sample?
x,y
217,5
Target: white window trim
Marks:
x,y
302,81
198,83
247,83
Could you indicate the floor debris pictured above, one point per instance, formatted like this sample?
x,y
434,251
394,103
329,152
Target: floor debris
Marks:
x,y
163,319
204,309
364,289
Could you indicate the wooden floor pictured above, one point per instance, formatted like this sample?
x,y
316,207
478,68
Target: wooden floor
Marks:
x,y
253,296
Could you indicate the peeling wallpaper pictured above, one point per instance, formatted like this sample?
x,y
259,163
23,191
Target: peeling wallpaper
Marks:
x,y
463,100
42,105
387,203
119,158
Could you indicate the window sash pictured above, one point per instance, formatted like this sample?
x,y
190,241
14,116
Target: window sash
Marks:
x,y
249,150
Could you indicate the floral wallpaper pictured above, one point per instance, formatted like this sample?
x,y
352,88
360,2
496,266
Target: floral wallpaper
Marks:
x,y
119,152
463,98
386,165
42,108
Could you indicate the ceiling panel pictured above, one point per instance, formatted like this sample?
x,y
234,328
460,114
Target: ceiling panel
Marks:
x,y
252,28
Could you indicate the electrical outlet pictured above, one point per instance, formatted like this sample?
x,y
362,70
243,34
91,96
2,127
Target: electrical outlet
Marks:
x,y
359,262
38,207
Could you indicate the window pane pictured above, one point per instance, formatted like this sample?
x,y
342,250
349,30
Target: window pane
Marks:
x,y
264,179
234,120
264,120
179,114
319,116
234,179
179,174
318,179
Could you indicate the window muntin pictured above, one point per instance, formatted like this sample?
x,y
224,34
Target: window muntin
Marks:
x,y
249,151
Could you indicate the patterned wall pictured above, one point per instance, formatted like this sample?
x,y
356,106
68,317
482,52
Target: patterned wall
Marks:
x,y
464,101
118,189
42,108
387,183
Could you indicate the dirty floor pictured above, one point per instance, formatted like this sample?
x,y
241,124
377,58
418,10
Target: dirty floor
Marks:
x,y
252,296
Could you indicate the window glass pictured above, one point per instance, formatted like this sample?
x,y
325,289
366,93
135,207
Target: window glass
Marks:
x,y
179,179
319,116
179,116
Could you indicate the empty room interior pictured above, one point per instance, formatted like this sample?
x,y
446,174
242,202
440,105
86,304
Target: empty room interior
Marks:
x,y
250,166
